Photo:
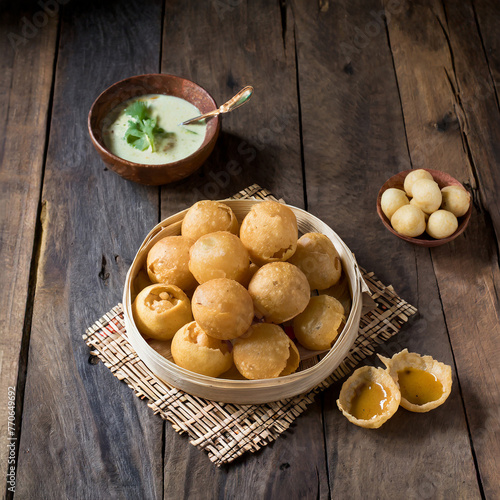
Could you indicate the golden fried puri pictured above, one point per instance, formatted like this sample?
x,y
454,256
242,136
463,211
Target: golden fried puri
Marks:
x,y
318,259
269,232
196,351
160,310
223,308
206,217
219,255
168,262
317,327
265,351
279,291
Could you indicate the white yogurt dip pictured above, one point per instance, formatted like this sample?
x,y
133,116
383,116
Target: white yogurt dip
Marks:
x,y
179,141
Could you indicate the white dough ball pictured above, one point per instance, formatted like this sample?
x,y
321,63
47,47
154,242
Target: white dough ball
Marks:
x,y
441,224
408,221
426,195
414,176
391,200
456,200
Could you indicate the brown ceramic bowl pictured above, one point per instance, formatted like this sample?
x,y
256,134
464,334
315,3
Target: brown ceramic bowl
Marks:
x,y
443,179
135,86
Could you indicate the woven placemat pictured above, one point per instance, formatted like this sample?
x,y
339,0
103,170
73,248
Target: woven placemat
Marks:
x,y
224,430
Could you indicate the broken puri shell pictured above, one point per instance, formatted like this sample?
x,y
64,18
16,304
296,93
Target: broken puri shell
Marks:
x,y
369,397
424,383
160,310
196,351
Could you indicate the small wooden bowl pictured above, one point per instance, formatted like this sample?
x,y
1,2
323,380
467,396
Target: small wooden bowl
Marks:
x,y
136,86
443,179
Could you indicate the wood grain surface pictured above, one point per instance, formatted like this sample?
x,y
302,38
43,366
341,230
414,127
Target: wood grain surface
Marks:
x,y
83,434
477,99
347,93
359,161
442,134
24,108
259,143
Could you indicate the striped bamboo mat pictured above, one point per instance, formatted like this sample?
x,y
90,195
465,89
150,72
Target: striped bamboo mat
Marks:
x,y
225,430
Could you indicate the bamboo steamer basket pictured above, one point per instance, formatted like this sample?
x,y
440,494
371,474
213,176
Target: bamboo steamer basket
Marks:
x,y
246,391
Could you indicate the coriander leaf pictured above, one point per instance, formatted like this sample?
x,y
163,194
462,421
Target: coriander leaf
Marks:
x,y
148,127
190,131
142,128
135,136
138,110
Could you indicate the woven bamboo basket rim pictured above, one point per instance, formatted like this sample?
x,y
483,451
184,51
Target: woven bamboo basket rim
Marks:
x,y
247,391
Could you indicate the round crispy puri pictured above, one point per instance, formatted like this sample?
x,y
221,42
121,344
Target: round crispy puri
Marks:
x,y
219,255
196,351
208,216
168,262
318,259
317,327
279,291
223,308
160,310
265,351
269,232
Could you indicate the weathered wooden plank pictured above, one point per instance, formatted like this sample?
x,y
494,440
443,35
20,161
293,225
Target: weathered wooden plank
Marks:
x,y
291,467
354,139
84,434
24,107
441,136
487,16
477,103
236,44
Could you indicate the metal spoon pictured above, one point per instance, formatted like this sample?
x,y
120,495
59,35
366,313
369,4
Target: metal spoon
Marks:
x,y
235,102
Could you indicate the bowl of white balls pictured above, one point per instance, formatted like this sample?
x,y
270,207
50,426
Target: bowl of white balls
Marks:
x,y
425,207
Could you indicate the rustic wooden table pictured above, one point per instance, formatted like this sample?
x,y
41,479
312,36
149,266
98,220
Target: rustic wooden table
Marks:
x,y
343,99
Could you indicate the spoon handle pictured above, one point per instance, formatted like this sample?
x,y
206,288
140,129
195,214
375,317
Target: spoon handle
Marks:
x,y
235,102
